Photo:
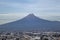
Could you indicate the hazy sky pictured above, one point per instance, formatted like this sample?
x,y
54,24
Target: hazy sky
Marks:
x,y
15,9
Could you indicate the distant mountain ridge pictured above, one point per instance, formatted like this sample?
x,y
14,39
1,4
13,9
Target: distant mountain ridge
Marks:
x,y
31,22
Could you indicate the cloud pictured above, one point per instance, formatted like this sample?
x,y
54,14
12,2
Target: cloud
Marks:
x,y
29,5
5,18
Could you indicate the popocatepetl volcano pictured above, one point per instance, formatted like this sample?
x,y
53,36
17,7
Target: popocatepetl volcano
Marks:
x,y
31,22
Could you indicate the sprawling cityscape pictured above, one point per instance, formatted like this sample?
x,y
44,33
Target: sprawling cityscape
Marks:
x,y
29,35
